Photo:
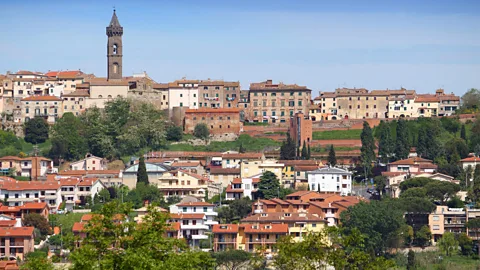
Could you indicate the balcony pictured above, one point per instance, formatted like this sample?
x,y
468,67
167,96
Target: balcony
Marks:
x,y
194,227
211,222
199,236
31,199
211,98
226,240
272,240
230,98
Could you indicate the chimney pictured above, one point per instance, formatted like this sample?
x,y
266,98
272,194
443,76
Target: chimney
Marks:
x,y
269,82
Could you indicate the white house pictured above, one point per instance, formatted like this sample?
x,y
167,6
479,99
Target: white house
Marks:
x,y
75,191
470,161
330,180
242,187
17,193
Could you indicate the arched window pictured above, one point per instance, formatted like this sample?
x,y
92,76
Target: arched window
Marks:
x,y
115,67
99,96
109,96
115,48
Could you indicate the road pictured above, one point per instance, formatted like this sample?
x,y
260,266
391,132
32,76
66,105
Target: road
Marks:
x,y
361,190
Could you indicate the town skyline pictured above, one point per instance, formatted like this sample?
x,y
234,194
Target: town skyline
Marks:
x,y
417,44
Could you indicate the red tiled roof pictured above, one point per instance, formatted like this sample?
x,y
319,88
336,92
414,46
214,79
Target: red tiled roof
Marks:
x,y
230,190
30,185
212,110
282,217
77,93
215,170
427,166
34,205
7,223
193,163
85,172
470,159
87,217
197,176
173,227
42,98
243,156
297,202
9,209
410,161
323,205
78,227
266,228
225,228
305,168
299,162
195,204
237,181
16,231
187,216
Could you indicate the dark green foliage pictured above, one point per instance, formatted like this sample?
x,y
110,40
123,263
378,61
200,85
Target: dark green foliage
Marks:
x,y
36,130
386,145
465,243
451,125
471,101
474,141
455,202
332,158
411,260
269,186
142,176
380,183
415,182
68,139
414,192
423,236
287,151
402,140
235,211
241,148
38,221
463,133
367,152
231,259
309,153
174,133
201,131
304,151
10,145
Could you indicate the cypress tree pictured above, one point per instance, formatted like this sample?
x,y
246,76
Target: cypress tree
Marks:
x,y
422,143
463,133
304,151
309,154
298,151
385,142
402,148
142,176
332,158
367,152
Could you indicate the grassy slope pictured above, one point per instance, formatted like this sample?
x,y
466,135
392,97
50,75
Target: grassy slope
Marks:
x,y
251,144
351,134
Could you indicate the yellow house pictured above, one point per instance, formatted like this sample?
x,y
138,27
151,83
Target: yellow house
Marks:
x,y
182,183
249,169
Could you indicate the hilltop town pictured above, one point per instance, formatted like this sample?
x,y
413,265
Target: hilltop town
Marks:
x,y
110,172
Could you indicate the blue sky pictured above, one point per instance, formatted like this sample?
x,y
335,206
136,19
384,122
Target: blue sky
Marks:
x,y
420,45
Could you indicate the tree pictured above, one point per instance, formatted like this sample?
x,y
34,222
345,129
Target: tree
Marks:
x,y
455,202
174,133
232,259
142,176
423,236
386,145
38,221
55,240
201,131
415,182
380,183
37,263
241,148
441,191
471,100
269,186
465,243
415,192
422,143
304,151
287,151
115,242
411,260
474,225
332,159
68,140
463,133
474,140
379,221
309,153
36,130
448,244
367,152
402,148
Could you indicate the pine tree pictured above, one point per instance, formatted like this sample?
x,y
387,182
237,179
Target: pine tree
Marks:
x,y
304,151
332,158
402,148
309,154
463,133
367,152
142,176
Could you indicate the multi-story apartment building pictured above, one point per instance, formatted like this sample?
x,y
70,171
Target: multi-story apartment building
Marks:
x,y
33,167
75,102
183,93
68,79
17,193
218,94
330,180
47,107
162,89
448,103
184,183
444,219
225,237
271,103
75,191
90,162
218,120
16,242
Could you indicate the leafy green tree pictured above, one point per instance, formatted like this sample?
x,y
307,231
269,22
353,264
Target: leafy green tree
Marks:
x,y
415,192
100,142
415,182
411,260
37,263
309,153
451,125
287,151
201,131
232,259
423,236
332,158
474,140
465,243
142,176
448,244
269,186
379,221
68,140
114,242
471,100
402,148
38,221
474,226
441,191
455,202
367,152
380,183
386,145
241,148
174,133
55,240
36,130
463,133
304,151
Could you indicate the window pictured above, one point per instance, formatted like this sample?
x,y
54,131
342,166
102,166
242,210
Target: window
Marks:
x,y
299,103
181,104
204,209
358,106
194,95
436,218
184,209
26,110
194,209
299,93
217,88
436,227
282,113
181,95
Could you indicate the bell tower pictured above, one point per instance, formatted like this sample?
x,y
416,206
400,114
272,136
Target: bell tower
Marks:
x,y
114,49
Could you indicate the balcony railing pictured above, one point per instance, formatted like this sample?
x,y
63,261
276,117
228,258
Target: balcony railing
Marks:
x,y
230,98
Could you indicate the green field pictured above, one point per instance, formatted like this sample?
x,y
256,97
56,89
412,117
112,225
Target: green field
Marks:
x,y
250,144
326,148
43,148
436,260
351,134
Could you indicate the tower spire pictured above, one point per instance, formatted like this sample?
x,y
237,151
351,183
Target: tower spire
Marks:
x,y
114,21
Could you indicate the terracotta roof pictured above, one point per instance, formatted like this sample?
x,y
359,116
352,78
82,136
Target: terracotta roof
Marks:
x,y
182,154
30,185
193,163
187,216
225,228
26,72
237,181
449,97
87,217
282,217
410,161
279,201
345,203
426,98
471,159
9,209
78,227
16,231
160,86
305,168
34,205
427,166
8,223
251,155
77,93
88,172
42,98
323,205
218,83
195,204
230,190
266,228
10,158
297,202
215,170
213,110
268,85
300,193
197,176
24,159
173,227
105,82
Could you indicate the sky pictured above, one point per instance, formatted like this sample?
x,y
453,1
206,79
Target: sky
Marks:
x,y
376,44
